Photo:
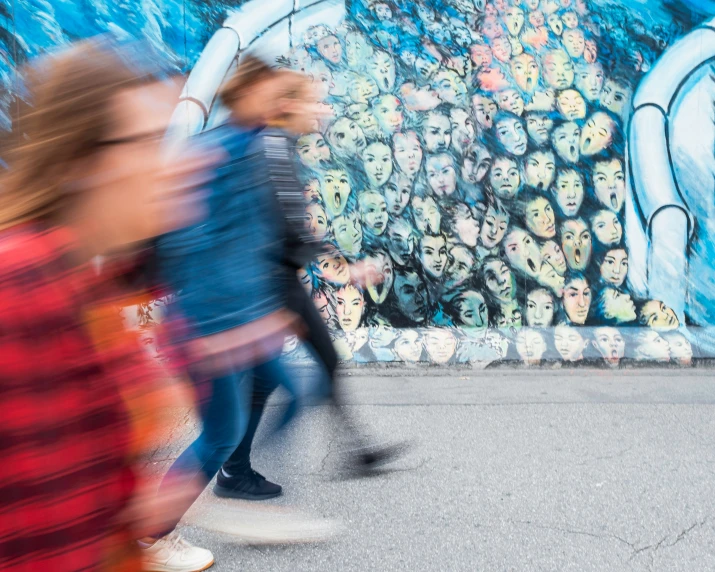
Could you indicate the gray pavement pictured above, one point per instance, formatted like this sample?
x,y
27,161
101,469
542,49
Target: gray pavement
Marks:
x,y
511,471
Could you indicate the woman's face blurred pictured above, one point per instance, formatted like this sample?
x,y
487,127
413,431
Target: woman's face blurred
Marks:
x,y
144,191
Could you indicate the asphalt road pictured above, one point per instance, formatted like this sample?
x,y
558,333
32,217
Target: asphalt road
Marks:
x,y
509,471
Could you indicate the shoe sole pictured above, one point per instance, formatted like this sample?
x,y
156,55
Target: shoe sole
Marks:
x,y
168,569
239,495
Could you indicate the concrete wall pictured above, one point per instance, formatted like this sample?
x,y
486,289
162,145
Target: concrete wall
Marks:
x,y
532,181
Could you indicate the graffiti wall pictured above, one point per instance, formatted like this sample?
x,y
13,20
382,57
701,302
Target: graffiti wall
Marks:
x,y
495,165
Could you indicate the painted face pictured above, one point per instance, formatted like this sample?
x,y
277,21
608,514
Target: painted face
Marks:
x,y
379,276
589,81
316,220
536,18
577,300
382,12
540,218
501,48
377,162
408,153
509,318
607,228
504,178
440,344
333,268
305,280
558,70
441,175
449,87
335,191
571,105
499,280
540,170
614,267
570,20
574,42
313,151
616,97
512,135
389,114
311,191
349,307
566,140
408,346
569,192
357,49
511,100
362,89
463,130
481,56
556,24
493,228
397,193
459,267
610,344
401,243
300,59
476,164
576,243
653,347
381,68
492,28
348,234
552,254
346,137
329,47
437,133
490,10
530,346
680,349
597,134
484,111
467,228
609,184
618,306
373,211
382,336
590,52
360,113
514,20
426,68
522,252
322,304
473,311
433,255
411,294
539,308
569,342
531,4
538,126
426,215
657,315
525,71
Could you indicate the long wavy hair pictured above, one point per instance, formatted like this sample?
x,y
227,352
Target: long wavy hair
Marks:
x,y
70,112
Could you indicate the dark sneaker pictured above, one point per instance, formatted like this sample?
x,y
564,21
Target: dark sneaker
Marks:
x,y
248,485
366,460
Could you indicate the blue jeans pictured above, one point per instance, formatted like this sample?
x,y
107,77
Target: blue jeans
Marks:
x,y
224,416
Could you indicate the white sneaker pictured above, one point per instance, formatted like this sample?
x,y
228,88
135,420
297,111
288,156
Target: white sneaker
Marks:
x,y
174,554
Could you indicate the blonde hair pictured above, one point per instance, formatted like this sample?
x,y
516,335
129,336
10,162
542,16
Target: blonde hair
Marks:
x,y
69,115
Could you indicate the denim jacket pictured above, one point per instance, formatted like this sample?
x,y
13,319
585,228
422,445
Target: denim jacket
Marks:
x,y
226,270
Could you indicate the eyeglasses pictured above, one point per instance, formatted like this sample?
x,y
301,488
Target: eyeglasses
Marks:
x,y
138,138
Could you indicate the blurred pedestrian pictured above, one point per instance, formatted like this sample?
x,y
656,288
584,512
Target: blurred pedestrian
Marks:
x,y
88,180
294,112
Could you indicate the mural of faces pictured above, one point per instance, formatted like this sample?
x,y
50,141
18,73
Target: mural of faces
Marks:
x,y
473,162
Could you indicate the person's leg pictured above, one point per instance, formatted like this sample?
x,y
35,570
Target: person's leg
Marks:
x,y
224,416
240,460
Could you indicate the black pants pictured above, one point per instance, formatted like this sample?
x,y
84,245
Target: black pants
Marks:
x,y
318,336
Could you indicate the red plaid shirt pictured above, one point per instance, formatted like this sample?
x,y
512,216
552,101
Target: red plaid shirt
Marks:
x,y
66,439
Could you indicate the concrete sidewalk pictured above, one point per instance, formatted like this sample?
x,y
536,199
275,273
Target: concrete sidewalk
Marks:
x,y
511,471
